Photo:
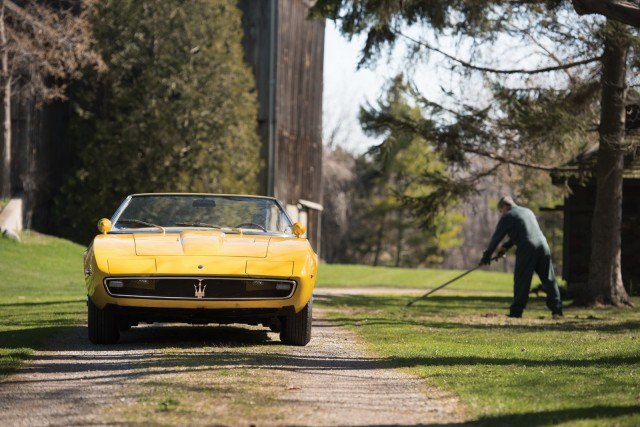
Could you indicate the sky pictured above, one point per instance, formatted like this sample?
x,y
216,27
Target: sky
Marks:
x,y
346,88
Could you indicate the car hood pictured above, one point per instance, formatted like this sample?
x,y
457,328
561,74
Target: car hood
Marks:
x,y
187,243
201,243
198,251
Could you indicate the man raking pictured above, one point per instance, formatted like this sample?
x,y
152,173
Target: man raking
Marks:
x,y
532,255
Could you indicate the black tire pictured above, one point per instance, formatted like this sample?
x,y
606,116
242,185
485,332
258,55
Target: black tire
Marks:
x,y
124,326
275,325
296,329
102,325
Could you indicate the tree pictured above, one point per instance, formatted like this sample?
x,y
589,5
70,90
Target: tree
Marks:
x,y
626,12
376,227
503,130
338,181
42,46
176,110
605,276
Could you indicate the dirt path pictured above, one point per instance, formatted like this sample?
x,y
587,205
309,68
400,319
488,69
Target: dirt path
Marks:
x,y
218,375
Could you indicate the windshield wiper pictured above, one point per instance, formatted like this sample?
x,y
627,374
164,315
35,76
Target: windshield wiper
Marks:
x,y
140,222
197,224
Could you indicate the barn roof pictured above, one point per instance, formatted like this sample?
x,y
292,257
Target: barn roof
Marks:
x,y
587,161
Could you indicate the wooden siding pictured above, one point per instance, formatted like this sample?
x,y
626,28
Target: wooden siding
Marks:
x,y
298,133
286,51
298,172
578,211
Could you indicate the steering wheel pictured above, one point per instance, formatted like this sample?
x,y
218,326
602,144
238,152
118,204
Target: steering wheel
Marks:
x,y
244,224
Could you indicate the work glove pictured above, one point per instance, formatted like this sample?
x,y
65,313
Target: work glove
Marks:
x,y
486,259
502,251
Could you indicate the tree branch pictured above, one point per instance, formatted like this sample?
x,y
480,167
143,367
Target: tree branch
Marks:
x,y
497,70
627,12
57,36
502,159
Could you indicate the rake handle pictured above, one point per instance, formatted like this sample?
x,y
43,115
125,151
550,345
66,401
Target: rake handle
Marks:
x,y
410,303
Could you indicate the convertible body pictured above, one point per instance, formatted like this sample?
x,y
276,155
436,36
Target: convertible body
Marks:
x,y
231,259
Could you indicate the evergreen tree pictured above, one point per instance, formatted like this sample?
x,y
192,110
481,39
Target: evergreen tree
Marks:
x,y
174,112
534,117
384,229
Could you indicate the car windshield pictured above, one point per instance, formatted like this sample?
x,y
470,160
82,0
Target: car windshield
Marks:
x,y
203,211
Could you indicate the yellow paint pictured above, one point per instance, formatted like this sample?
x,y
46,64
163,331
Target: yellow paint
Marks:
x,y
270,268
200,253
131,266
298,229
104,225
201,242
211,266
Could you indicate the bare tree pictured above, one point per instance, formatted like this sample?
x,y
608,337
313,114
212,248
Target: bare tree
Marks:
x,y
43,45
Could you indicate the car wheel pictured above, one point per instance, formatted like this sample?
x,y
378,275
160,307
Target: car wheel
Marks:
x,y
102,325
124,326
296,328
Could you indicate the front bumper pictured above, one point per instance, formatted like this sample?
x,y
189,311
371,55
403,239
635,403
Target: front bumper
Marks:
x,y
97,291
199,316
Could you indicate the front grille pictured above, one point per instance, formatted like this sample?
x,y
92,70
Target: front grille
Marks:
x,y
205,288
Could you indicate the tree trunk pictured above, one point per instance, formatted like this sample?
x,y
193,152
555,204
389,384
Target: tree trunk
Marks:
x,y
5,79
605,277
400,236
376,257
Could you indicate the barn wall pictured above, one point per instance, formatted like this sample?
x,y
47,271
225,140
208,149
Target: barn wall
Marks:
x,y
298,160
285,51
299,103
578,212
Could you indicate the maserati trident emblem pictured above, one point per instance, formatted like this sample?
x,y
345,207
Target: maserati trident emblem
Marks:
x,y
199,289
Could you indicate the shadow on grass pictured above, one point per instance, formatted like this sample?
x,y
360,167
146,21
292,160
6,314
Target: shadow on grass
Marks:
x,y
145,352
547,418
176,348
566,325
541,418
41,303
432,302
464,312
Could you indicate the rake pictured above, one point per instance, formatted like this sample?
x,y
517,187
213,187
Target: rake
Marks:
x,y
410,303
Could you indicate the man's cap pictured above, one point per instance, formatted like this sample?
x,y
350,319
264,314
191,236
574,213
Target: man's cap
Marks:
x,y
506,201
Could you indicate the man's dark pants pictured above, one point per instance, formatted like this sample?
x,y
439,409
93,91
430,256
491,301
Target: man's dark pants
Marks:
x,y
536,259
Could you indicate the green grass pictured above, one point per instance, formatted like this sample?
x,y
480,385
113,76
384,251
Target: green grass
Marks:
x,y
582,371
41,293
354,276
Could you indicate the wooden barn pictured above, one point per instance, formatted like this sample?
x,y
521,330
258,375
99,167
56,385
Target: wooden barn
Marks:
x,y
285,50
578,211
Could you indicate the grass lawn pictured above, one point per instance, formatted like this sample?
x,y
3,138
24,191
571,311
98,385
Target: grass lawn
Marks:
x,y
41,293
582,371
353,276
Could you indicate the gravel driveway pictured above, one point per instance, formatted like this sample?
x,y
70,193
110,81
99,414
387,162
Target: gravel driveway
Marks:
x,y
218,375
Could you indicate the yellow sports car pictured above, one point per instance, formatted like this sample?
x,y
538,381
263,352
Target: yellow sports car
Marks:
x,y
200,258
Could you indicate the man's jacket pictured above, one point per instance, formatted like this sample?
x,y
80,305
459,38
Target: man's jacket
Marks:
x,y
521,226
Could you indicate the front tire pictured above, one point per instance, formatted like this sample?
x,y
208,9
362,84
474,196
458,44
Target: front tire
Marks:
x,y
102,325
296,328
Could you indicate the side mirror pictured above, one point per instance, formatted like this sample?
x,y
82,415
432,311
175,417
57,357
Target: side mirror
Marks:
x,y
104,225
298,229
